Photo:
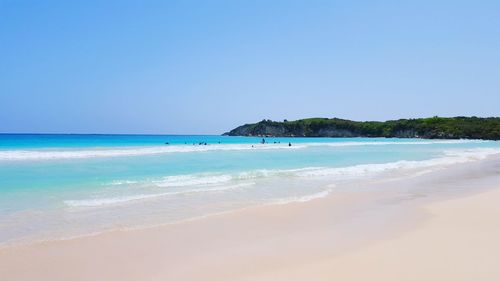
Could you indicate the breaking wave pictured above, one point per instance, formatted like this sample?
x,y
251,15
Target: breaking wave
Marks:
x,y
301,199
99,202
200,183
52,154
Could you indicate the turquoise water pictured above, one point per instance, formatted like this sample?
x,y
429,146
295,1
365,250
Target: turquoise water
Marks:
x,y
57,186
30,141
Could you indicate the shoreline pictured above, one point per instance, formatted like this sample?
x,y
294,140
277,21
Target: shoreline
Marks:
x,y
274,238
326,180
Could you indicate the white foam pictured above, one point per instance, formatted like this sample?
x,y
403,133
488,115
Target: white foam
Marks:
x,y
52,154
265,173
451,157
121,182
417,142
301,199
190,180
100,202
209,179
219,182
109,201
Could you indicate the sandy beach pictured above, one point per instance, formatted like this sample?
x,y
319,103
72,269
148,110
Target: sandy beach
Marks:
x,y
445,227
249,140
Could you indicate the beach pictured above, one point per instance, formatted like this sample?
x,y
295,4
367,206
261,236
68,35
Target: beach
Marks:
x,y
249,141
446,228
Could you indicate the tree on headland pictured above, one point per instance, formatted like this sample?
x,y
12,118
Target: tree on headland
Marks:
x,y
432,128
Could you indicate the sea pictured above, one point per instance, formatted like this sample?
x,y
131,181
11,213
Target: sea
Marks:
x,y
63,186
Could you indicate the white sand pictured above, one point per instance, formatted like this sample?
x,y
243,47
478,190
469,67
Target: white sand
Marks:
x,y
460,242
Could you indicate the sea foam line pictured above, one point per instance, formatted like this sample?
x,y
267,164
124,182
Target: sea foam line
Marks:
x,y
301,199
418,142
449,157
190,180
216,182
100,202
52,154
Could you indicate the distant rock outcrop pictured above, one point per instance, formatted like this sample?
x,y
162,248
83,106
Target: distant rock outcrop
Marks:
x,y
431,128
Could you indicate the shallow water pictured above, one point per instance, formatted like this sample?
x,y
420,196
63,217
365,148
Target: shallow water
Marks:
x,y
56,186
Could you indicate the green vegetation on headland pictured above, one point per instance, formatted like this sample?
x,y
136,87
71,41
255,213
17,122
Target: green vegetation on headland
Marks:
x,y
428,128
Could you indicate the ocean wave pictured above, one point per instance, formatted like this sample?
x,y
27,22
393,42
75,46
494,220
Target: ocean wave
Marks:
x,y
116,200
205,179
190,180
301,199
419,142
450,157
180,180
53,154
121,182
266,173
200,183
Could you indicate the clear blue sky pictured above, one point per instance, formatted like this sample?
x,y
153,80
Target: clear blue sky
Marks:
x,y
207,66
